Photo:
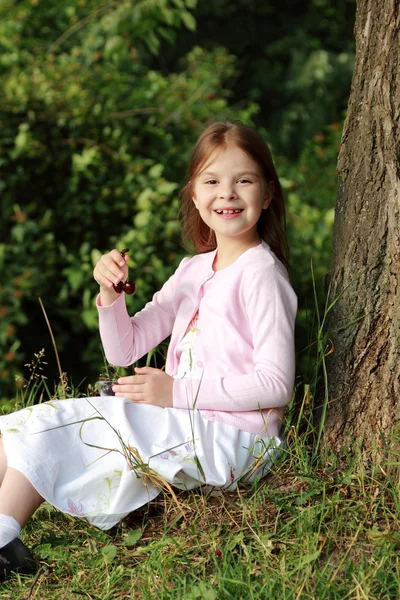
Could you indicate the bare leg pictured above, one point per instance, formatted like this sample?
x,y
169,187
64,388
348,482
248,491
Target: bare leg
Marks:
x,y
18,497
3,461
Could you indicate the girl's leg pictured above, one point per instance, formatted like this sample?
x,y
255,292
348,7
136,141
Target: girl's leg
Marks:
x,y
18,502
18,497
3,461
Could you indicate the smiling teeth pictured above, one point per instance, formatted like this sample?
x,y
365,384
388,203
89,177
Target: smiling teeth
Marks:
x,y
229,212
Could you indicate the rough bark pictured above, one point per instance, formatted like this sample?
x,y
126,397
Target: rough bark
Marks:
x,y
364,369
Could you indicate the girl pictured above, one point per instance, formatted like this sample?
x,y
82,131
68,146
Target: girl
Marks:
x,y
213,416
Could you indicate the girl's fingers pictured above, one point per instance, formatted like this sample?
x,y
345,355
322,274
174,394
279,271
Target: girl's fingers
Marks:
x,y
105,277
131,380
144,401
133,397
111,269
107,262
117,258
107,272
128,389
113,274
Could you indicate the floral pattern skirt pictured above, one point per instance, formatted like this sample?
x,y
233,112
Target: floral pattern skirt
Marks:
x,y
101,458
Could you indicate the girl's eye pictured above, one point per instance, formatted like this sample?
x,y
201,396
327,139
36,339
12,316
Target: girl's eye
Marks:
x,y
212,181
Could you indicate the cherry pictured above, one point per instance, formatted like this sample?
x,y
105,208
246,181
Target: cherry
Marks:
x,y
129,287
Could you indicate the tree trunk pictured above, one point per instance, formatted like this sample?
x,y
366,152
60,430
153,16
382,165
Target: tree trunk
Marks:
x,y
364,368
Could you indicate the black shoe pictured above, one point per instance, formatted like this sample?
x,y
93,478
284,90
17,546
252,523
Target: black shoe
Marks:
x,y
15,557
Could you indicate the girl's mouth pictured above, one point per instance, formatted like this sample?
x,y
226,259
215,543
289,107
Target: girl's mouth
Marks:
x,y
230,213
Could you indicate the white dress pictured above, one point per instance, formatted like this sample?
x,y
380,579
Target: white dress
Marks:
x,y
100,458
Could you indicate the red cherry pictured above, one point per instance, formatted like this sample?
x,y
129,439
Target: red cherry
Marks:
x,y
129,287
118,287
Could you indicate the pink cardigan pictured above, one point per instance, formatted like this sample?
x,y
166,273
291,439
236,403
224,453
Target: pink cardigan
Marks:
x,y
245,350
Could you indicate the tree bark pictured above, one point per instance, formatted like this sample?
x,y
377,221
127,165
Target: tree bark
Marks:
x,y
364,367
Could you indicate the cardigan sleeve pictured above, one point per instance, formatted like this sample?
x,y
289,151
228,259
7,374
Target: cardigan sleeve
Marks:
x,y
271,305
125,339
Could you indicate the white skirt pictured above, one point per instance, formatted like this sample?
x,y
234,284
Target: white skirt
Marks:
x,y
101,458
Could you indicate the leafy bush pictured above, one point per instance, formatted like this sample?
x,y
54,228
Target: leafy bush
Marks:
x,y
95,135
94,145
310,187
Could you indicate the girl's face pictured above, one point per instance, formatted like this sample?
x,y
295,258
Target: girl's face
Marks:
x,y
230,193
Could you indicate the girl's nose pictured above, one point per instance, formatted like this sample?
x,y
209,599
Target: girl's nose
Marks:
x,y
228,192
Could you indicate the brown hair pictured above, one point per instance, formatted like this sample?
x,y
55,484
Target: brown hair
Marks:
x,y
271,225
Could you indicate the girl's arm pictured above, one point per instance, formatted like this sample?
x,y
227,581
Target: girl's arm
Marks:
x,y
271,306
126,339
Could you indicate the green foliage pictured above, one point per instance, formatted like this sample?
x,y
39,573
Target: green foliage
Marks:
x,y
101,104
94,145
310,187
295,61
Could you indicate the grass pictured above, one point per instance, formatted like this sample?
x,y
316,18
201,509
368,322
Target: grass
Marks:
x,y
313,529
305,531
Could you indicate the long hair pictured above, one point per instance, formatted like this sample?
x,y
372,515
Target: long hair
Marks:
x,y
271,225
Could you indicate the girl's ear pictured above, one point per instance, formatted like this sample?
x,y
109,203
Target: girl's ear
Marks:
x,y
193,194
270,194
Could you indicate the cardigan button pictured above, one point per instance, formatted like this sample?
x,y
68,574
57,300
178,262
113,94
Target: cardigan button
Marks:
x,y
199,364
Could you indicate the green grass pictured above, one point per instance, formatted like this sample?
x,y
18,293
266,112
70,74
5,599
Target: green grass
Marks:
x,y
305,531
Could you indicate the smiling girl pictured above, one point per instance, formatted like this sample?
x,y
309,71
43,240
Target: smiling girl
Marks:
x,y
214,415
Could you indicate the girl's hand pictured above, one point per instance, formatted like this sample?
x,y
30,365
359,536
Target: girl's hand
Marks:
x,y
150,386
111,269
